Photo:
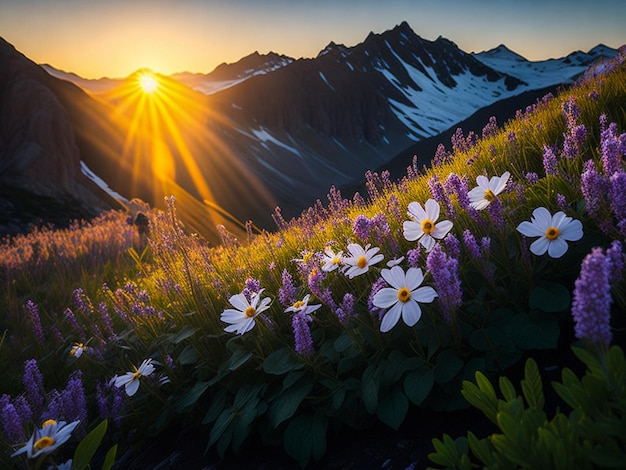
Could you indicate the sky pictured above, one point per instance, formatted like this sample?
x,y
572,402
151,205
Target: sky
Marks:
x,y
114,38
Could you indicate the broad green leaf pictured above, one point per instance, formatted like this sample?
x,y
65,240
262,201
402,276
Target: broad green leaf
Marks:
x,y
418,384
535,330
532,387
183,334
343,342
279,362
109,458
550,297
88,446
480,448
239,358
507,388
220,426
287,403
305,438
448,366
189,398
393,407
188,355
370,383
217,405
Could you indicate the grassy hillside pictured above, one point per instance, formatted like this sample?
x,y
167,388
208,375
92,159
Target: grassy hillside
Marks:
x,y
356,314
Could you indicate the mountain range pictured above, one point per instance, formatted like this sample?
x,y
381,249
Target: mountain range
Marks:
x,y
267,130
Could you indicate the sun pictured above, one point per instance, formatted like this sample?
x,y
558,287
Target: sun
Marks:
x,y
148,83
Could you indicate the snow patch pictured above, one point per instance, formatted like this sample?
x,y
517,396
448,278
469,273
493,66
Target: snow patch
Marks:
x,y
100,182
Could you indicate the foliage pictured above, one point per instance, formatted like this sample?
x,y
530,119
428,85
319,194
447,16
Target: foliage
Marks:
x,y
100,299
590,436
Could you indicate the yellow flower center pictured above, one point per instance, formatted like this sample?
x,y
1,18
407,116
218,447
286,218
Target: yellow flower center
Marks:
x,y
489,196
250,311
336,260
136,374
42,443
298,304
552,233
47,422
404,294
75,349
428,226
361,262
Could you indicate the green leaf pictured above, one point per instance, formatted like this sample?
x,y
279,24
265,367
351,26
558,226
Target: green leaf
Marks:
x,y
343,342
188,355
189,398
217,405
88,446
305,438
448,366
532,387
183,334
279,362
607,457
550,297
507,388
535,330
418,384
287,403
239,358
370,383
220,426
393,407
109,459
486,339
484,400
480,448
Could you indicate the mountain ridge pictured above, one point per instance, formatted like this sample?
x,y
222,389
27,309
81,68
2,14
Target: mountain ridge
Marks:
x,y
293,127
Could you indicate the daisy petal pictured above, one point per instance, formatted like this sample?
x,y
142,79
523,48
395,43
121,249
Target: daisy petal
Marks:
x,y
542,218
442,228
132,387
424,294
414,278
530,230
391,318
412,230
411,313
432,209
572,232
557,248
385,297
540,246
394,277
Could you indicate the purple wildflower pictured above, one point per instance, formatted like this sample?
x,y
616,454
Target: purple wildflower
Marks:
x,y
393,207
11,422
35,320
618,197
549,160
445,272
23,408
441,155
74,401
302,334
611,147
378,285
54,409
616,257
413,256
346,310
471,245
106,318
287,293
453,245
490,128
591,304
593,186
532,177
439,194
561,202
361,227
496,214
33,385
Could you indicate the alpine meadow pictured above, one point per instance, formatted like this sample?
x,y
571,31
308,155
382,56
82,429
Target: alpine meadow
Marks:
x,y
490,279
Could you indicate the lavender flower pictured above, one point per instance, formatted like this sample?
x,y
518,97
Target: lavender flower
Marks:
x,y
33,385
302,334
549,160
74,401
445,272
471,245
491,128
346,310
593,186
453,245
591,304
611,147
11,421
287,293
35,320
618,197
439,194
497,215
616,257
361,227
23,408
378,285
413,256
532,177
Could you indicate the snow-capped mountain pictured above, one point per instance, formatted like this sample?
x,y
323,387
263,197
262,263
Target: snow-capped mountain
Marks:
x,y
543,73
227,75
270,130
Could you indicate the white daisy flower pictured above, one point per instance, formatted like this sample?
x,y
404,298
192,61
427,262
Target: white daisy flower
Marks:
x,y
45,440
303,307
241,319
77,350
361,259
402,297
487,190
130,380
424,226
554,231
331,260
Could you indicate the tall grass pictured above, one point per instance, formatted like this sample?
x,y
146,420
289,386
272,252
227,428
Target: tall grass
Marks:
x,y
302,373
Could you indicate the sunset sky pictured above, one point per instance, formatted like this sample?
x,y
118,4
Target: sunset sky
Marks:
x,y
116,37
